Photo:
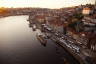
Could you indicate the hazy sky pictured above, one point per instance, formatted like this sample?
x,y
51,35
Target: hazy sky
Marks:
x,y
43,3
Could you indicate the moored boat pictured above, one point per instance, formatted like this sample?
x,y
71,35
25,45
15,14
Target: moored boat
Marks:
x,y
42,39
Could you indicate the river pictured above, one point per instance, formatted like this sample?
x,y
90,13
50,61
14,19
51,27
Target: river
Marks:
x,y
19,45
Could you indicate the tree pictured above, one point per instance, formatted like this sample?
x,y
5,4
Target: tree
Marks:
x,y
79,16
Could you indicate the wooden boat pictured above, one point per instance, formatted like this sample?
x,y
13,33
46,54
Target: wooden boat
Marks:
x,y
34,27
41,38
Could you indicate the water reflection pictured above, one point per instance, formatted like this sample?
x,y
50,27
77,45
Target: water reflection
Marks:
x,y
19,45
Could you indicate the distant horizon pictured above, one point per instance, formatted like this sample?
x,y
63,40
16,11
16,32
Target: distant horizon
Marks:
x,y
50,4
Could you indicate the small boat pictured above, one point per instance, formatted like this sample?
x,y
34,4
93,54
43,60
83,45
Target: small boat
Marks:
x,y
34,27
27,19
30,25
42,39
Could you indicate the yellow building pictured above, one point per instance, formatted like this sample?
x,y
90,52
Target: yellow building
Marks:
x,y
86,11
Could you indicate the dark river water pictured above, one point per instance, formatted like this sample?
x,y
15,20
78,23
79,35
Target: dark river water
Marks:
x,y
18,44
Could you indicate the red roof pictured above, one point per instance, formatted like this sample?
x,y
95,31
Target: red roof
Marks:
x,y
40,16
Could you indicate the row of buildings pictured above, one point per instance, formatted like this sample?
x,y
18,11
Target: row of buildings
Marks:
x,y
77,22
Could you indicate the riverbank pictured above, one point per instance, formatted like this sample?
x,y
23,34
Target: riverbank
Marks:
x,y
3,16
10,15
